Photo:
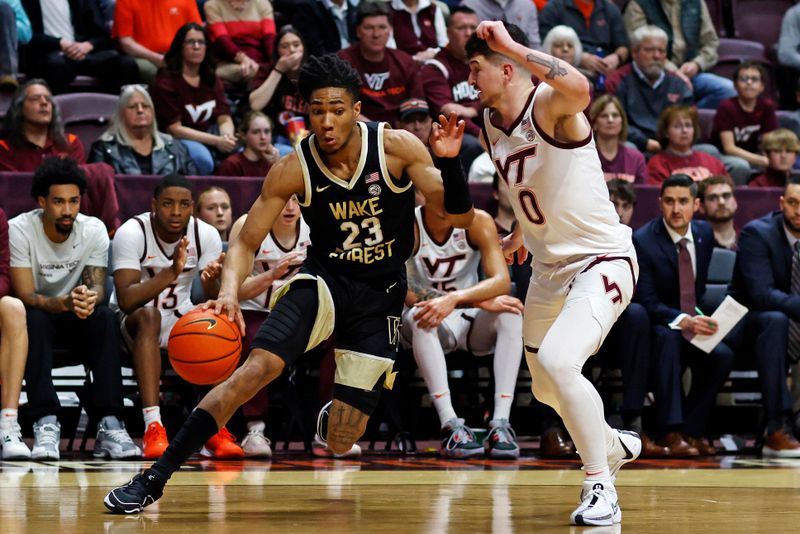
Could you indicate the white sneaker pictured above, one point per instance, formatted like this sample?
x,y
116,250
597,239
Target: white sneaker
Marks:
x,y
256,445
320,448
113,440
599,506
12,445
46,438
630,450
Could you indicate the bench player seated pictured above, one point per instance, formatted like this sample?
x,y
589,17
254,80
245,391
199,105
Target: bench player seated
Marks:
x,y
453,310
277,259
155,256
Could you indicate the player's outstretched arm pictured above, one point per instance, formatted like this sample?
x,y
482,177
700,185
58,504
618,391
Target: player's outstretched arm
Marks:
x,y
283,180
571,92
453,202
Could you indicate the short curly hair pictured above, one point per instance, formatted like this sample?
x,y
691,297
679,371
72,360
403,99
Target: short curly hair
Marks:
x,y
328,70
57,171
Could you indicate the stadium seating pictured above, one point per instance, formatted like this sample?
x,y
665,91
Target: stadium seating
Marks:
x,y
86,114
759,20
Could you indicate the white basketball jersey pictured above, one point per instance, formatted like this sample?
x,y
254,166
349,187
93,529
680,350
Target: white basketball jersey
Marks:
x,y
269,254
447,266
557,190
136,246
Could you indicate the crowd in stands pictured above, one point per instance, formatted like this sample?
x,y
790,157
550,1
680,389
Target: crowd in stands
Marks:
x,y
209,88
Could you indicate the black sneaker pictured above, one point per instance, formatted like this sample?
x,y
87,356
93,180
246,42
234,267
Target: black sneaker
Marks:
x,y
143,490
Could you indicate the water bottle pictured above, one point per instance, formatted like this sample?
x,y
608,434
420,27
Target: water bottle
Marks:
x,y
600,84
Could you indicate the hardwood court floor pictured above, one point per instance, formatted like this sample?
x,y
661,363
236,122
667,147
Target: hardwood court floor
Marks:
x,y
385,493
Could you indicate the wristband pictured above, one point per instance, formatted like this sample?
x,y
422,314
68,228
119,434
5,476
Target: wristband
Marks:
x,y
457,199
275,69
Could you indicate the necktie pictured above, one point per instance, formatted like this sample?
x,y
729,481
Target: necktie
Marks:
x,y
686,283
793,348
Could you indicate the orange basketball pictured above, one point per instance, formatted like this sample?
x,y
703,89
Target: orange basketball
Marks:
x,y
204,348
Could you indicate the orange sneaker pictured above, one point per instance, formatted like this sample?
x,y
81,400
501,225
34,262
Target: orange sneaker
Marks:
x,y
155,441
222,446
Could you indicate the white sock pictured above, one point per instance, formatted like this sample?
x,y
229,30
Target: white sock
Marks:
x,y
507,357
7,417
256,425
443,405
432,366
598,476
152,414
502,405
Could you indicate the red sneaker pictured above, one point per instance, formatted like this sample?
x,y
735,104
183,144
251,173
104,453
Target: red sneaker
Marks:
x,y
155,441
222,446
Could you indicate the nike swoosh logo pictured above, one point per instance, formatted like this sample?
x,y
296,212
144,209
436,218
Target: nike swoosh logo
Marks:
x,y
628,453
390,287
212,323
151,257
496,141
320,189
75,245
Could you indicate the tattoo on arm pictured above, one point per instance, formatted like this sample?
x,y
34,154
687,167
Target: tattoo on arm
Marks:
x,y
555,67
345,426
416,284
45,303
95,279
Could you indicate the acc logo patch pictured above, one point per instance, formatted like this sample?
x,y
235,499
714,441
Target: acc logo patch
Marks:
x,y
374,190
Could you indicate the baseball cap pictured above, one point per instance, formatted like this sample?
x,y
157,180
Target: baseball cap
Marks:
x,y
413,105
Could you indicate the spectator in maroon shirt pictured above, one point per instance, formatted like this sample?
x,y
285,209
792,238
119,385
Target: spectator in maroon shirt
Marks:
x,y
13,354
33,132
742,120
678,130
259,155
388,76
610,125
781,147
277,94
190,99
214,207
419,28
446,82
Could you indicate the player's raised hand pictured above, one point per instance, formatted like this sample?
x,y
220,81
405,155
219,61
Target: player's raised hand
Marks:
x,y
292,259
227,305
180,255
213,270
446,136
496,36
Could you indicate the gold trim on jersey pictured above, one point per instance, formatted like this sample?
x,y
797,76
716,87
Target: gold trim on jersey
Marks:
x,y
306,202
384,169
362,160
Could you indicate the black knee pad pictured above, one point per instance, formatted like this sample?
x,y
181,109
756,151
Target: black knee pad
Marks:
x,y
288,326
364,400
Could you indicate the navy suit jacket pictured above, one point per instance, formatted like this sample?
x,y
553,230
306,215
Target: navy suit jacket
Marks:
x,y
658,289
318,27
762,276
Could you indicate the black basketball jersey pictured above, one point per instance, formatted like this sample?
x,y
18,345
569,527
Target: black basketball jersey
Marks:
x,y
363,227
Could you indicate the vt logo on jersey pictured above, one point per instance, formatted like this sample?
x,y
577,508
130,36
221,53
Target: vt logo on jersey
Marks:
x,y
376,80
449,264
201,113
517,160
211,322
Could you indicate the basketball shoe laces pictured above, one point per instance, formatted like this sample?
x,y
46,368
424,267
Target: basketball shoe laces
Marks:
x,y
503,434
225,435
48,434
118,435
461,434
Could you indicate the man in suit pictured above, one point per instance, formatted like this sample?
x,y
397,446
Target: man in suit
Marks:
x,y
766,279
674,253
327,26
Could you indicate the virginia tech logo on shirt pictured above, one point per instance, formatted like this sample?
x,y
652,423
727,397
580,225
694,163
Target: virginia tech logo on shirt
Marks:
x,y
376,80
201,113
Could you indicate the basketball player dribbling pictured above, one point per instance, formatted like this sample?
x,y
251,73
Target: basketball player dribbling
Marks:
x,y
584,263
353,181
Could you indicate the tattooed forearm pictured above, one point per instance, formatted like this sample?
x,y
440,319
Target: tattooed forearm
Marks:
x,y
95,279
555,67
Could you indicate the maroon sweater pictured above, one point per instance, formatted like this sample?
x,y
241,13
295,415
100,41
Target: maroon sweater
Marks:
x,y
238,165
403,30
445,80
386,83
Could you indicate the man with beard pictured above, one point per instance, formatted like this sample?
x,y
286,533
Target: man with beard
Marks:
x,y
766,279
58,270
718,202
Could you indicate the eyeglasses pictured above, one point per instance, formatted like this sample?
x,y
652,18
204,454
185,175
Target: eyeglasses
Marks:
x,y
194,43
717,197
747,79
